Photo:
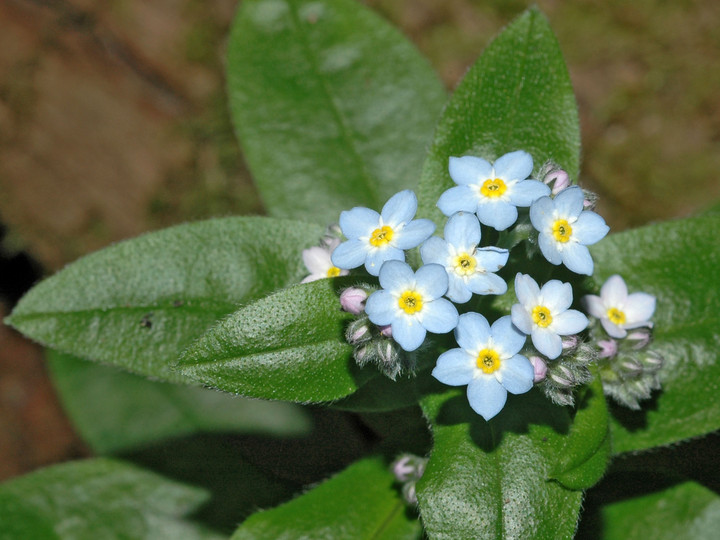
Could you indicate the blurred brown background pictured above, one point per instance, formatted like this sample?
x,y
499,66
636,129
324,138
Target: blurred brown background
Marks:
x,y
113,121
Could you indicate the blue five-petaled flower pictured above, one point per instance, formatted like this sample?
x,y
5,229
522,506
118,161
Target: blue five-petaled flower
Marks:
x,y
469,268
410,302
487,362
375,238
492,191
544,315
566,229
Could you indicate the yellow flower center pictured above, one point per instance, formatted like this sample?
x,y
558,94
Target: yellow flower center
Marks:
x,y
488,360
493,188
541,316
381,236
410,302
464,264
562,230
333,271
616,316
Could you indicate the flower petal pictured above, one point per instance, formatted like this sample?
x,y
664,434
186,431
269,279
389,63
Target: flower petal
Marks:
x,y
614,292
517,374
381,307
457,199
491,258
317,260
612,329
359,222
457,290
434,250
549,248
350,254
396,276
486,396
577,258
547,342
639,307
506,337
569,322
431,281
472,331
413,234
528,191
541,213
462,230
468,169
408,332
376,258
556,296
486,283
454,368
497,214
400,208
569,202
439,316
514,165
589,228
527,290
521,318
594,305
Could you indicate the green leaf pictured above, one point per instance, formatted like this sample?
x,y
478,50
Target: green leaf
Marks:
x,y
686,510
517,96
584,459
490,479
116,411
361,502
333,106
289,345
139,303
98,498
678,263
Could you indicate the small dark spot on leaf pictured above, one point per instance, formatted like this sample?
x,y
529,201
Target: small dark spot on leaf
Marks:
x,y
544,439
146,321
178,303
506,501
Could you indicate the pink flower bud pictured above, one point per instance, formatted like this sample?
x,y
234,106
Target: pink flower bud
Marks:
x,y
386,330
641,337
559,180
608,348
353,299
403,469
570,342
540,368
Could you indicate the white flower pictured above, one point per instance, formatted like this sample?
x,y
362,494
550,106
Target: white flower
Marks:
x,y
317,261
617,310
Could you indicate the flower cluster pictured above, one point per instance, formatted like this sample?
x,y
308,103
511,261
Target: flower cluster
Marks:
x,y
491,203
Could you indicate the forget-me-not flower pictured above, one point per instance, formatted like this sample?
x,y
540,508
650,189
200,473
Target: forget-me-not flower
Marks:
x,y
411,303
317,261
566,229
492,191
375,238
544,315
617,310
487,361
469,268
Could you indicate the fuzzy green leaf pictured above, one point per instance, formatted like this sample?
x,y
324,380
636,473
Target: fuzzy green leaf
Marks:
x,y
677,262
333,106
491,479
139,303
517,96
289,345
98,498
361,502
129,411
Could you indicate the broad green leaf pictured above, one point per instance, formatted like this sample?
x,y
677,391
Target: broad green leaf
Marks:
x,y
677,262
362,502
585,456
491,479
333,106
289,345
139,303
686,510
116,411
98,498
517,96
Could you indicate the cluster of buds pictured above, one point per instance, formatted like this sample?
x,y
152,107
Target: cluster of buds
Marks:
x,y
408,469
629,371
373,344
559,378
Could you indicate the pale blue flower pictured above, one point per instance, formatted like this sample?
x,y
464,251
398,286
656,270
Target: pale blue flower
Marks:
x,y
487,361
492,191
566,229
544,315
318,262
619,311
410,302
375,238
469,268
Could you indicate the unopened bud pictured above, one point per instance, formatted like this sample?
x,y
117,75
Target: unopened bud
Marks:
x,y
640,337
361,355
386,330
652,360
353,299
631,366
539,367
358,332
403,469
608,348
409,493
562,376
559,180
590,201
570,342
